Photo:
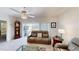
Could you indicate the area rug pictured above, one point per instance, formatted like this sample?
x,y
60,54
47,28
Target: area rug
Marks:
x,y
30,48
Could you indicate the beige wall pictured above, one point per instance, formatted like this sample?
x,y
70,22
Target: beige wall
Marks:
x,y
69,21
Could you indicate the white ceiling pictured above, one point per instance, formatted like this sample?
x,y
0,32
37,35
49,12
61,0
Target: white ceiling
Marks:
x,y
38,12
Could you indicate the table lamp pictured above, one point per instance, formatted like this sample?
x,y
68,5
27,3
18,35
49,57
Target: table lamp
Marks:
x,y
61,31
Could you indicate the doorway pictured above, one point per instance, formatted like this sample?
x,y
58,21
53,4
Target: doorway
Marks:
x,y
3,29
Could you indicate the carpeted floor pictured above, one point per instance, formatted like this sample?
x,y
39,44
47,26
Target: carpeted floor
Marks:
x,y
45,47
31,48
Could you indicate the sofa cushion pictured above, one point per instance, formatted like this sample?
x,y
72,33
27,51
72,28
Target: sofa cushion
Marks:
x,y
32,38
45,38
38,38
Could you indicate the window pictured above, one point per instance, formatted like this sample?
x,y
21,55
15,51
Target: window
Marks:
x,y
35,26
44,26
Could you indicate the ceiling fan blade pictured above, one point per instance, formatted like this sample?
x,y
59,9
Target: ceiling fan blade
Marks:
x,y
15,10
31,16
23,12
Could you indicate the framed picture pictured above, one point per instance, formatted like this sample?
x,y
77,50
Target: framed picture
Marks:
x,y
53,24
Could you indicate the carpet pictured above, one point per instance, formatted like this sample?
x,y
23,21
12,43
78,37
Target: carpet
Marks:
x,y
30,48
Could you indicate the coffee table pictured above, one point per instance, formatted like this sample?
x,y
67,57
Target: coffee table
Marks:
x,y
30,48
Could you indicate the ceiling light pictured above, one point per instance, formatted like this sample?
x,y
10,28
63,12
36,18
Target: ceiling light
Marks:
x,y
24,14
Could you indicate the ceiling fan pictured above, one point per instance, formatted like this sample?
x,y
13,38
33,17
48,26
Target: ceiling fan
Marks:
x,y
24,14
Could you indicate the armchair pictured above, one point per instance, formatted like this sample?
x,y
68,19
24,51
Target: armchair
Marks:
x,y
73,45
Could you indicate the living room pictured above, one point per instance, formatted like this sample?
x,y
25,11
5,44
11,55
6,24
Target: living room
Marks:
x,y
51,19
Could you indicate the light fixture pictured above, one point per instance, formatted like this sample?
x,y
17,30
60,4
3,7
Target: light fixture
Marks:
x,y
61,31
24,14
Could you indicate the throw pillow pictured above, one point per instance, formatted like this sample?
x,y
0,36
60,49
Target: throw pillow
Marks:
x,y
45,35
39,35
34,35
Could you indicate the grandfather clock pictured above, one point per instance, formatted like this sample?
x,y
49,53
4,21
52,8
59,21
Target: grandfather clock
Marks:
x,y
17,29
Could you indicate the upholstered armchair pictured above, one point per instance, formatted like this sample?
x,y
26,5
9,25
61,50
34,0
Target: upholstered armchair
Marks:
x,y
73,45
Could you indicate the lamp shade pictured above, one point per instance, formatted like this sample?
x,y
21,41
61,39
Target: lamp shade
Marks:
x,y
61,31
